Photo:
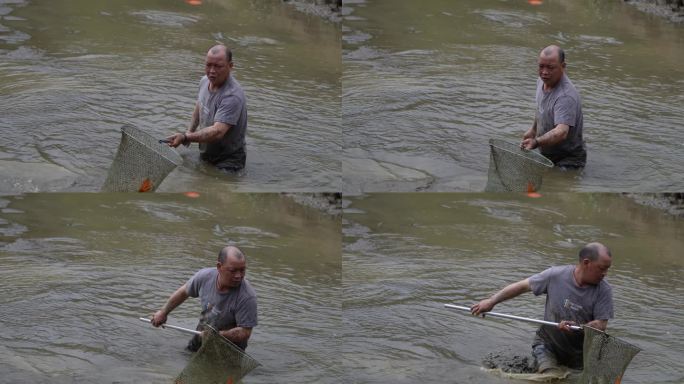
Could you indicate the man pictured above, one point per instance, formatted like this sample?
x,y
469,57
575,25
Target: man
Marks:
x,y
220,114
228,300
557,127
575,295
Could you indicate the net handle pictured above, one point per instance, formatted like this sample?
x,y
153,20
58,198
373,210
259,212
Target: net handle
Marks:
x,y
186,330
512,317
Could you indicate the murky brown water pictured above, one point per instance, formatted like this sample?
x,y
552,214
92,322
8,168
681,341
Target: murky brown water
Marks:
x,y
406,255
428,83
77,271
72,72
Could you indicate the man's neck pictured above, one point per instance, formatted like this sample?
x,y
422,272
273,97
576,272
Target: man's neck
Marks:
x,y
577,274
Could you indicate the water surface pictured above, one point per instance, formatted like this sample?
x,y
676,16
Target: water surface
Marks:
x,y
72,72
427,84
77,271
406,255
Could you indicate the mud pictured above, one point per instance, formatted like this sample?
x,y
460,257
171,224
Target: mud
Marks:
x,y
327,9
671,203
672,10
330,203
509,361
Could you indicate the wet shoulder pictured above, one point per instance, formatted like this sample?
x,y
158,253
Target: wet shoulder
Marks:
x,y
561,270
567,88
604,286
246,290
205,274
233,87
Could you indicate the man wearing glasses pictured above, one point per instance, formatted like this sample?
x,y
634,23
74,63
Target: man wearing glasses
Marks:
x,y
228,301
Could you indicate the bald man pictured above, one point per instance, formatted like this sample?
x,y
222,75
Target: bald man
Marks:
x,y
228,300
575,295
219,121
558,121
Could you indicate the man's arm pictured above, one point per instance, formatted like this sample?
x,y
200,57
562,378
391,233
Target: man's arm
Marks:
x,y
206,135
194,123
550,138
237,334
509,292
532,132
176,299
601,325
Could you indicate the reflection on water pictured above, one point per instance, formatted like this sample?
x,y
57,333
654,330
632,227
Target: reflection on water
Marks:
x,y
78,270
406,255
427,84
72,72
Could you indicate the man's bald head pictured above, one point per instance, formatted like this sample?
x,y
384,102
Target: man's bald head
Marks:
x,y
232,252
553,51
592,251
221,49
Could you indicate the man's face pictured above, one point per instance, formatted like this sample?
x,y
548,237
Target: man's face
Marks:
x,y
597,270
550,69
217,68
232,271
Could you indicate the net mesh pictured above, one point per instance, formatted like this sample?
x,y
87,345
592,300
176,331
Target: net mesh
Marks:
x,y
141,163
217,361
605,357
512,169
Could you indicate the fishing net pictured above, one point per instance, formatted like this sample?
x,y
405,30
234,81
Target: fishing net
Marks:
x,y
141,163
605,357
512,169
217,361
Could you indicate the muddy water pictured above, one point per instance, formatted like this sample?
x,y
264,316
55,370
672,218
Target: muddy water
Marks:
x,y
406,255
72,72
77,271
427,84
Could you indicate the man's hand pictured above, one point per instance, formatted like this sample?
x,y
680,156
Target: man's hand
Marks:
x,y
529,144
177,139
565,326
483,306
159,318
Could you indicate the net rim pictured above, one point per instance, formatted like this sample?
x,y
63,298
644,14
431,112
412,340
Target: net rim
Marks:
x,y
167,152
514,149
606,334
239,350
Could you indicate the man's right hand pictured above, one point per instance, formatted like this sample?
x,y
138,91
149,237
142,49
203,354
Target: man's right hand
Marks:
x,y
483,306
159,318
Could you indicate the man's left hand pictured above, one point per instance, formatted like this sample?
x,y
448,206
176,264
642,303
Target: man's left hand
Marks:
x,y
565,325
176,139
529,144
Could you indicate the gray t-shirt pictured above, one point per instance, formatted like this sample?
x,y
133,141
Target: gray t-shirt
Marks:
x,y
565,300
226,105
561,105
223,311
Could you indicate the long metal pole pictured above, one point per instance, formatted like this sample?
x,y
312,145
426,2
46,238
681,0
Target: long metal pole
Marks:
x,y
512,317
174,327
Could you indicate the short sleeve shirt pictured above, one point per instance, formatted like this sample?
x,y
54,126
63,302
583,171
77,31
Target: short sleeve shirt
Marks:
x,y
565,300
223,311
561,105
226,105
